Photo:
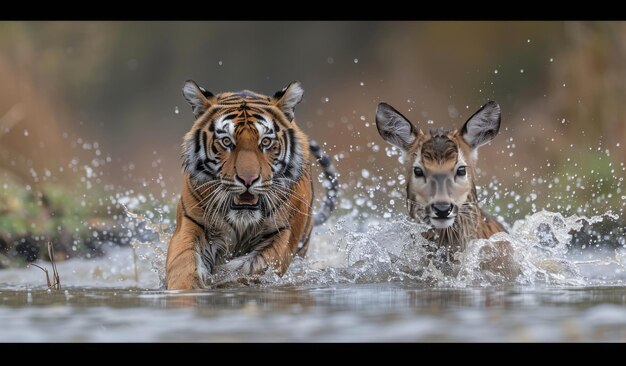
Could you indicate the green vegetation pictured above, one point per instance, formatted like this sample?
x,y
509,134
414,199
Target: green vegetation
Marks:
x,y
32,217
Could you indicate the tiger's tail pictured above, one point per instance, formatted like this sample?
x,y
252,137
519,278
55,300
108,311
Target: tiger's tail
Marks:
x,y
331,184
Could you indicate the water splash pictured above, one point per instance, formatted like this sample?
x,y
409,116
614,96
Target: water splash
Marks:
x,y
352,251
154,250
394,250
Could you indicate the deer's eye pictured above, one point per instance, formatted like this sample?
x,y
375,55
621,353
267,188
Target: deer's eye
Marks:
x,y
461,171
418,172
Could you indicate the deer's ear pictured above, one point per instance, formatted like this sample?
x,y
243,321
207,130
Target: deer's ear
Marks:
x,y
483,126
394,128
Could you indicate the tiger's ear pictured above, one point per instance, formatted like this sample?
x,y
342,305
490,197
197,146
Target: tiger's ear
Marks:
x,y
394,128
287,99
197,97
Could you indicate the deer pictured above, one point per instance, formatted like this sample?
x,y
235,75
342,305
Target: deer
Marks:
x,y
440,166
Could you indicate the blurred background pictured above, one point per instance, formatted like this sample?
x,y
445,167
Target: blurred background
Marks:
x,y
92,115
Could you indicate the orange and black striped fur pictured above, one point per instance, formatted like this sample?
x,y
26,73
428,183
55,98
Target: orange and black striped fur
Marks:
x,y
440,166
246,201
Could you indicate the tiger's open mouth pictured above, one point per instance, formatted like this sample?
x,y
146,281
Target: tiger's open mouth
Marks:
x,y
245,201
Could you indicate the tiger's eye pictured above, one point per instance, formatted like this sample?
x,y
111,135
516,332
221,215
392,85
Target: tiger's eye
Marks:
x,y
226,141
266,142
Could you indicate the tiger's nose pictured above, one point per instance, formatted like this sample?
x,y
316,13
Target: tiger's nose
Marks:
x,y
247,180
442,209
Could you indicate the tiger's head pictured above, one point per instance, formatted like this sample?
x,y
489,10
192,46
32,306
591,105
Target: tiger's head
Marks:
x,y
244,149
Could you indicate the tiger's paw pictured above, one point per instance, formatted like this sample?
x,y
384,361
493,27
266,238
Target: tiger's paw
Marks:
x,y
249,264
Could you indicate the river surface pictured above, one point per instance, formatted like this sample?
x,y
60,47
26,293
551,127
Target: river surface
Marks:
x,y
358,283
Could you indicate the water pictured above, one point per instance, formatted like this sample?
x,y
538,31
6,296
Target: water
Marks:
x,y
360,282
367,312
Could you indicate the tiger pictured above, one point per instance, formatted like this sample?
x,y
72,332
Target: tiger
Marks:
x,y
247,195
440,165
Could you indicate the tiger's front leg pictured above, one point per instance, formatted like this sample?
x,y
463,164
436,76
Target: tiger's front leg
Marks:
x,y
192,253
182,273
277,255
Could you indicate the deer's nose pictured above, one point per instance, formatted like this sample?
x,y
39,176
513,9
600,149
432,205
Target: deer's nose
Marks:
x,y
442,209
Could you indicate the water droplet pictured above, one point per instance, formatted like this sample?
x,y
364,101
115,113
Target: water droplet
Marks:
x,y
219,63
362,83
345,204
330,60
176,111
430,122
564,85
325,99
356,60
521,71
25,132
528,41
495,71
551,60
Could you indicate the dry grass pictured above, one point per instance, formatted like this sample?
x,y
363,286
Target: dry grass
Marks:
x,y
56,284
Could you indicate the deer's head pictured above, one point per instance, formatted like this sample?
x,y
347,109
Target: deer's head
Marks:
x,y
440,163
